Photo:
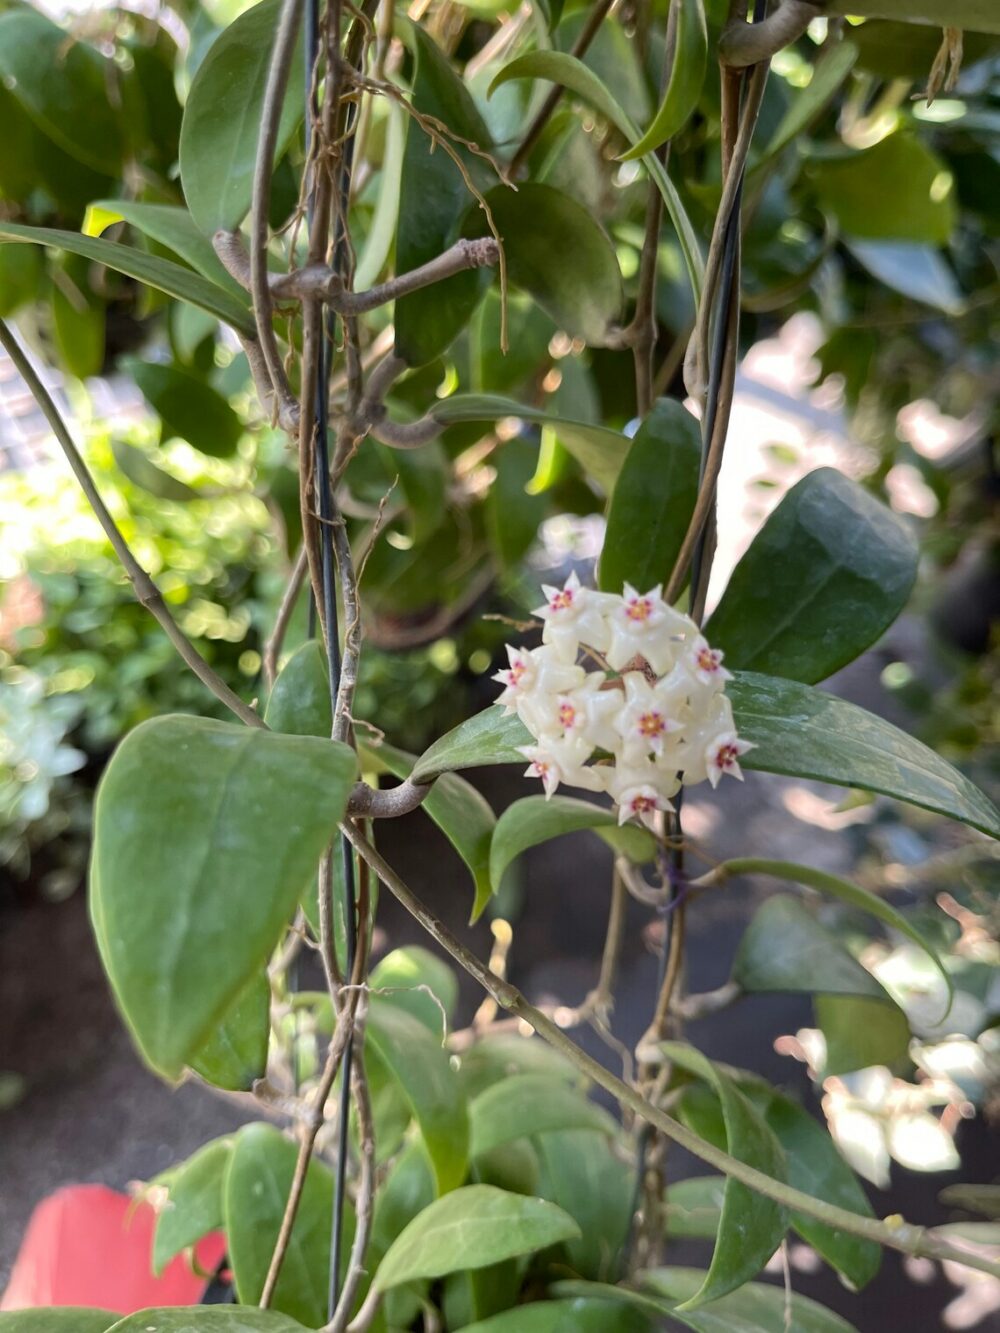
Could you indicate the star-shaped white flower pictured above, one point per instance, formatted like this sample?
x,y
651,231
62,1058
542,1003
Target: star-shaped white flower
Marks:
x,y
644,723
706,664
722,756
537,671
644,625
573,615
557,761
639,790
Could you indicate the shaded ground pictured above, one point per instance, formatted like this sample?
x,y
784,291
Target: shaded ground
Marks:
x,y
90,1112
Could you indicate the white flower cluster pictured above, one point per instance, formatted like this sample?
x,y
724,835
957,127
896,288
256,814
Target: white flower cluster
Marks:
x,y
652,716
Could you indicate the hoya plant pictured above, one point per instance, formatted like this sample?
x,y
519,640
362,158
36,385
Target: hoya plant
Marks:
x,y
484,266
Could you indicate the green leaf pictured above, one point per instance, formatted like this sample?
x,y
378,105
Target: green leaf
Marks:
x,y
828,73
785,948
212,1319
235,1055
581,1172
536,819
432,203
817,1168
420,1064
188,407
70,1319
78,319
527,1104
917,271
653,500
755,1308
977,15
64,86
460,812
599,451
497,1057
194,1206
694,1207
576,1315
162,274
849,893
22,271
512,514
558,253
898,190
861,1032
299,704
222,118
256,1190
141,471
751,1227
567,70
169,225
471,1228
806,733
907,50
828,572
687,74
486,738
381,233
408,974
218,829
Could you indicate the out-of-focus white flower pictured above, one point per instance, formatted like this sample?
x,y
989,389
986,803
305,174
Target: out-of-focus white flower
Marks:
x,y
657,718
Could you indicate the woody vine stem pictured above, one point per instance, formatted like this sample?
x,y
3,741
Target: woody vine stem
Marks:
x,y
337,43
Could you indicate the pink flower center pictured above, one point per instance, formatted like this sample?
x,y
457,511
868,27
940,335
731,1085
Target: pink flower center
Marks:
x,y
639,609
726,756
567,716
709,659
539,768
642,805
561,601
652,725
517,669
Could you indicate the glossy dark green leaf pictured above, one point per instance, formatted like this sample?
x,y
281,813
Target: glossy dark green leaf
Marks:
x,y
527,1104
162,274
536,819
898,190
69,1319
599,451
256,1190
194,1204
433,200
694,1207
558,253
804,732
141,471
420,1064
755,1308
751,1227
461,813
235,1055
31,162
816,1168
188,407
405,977
216,1319
687,74
652,501
169,225
918,271
861,1032
577,1314
785,948
64,85
828,572
796,730
471,1228
216,824
300,701
222,118
582,1173
512,515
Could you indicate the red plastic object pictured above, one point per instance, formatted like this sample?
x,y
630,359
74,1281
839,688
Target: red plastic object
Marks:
x,y
88,1245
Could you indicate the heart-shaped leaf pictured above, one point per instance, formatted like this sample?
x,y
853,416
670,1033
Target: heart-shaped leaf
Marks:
x,y
829,571
751,1227
222,118
470,1228
194,1204
536,819
300,703
652,501
213,830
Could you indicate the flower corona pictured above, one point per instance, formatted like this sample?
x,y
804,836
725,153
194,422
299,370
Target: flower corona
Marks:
x,y
623,696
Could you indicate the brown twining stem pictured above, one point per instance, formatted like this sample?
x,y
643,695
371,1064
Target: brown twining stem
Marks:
x,y
743,44
894,1233
286,609
146,590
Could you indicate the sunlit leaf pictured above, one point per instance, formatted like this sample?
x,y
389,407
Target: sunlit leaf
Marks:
x,y
194,1203
687,74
